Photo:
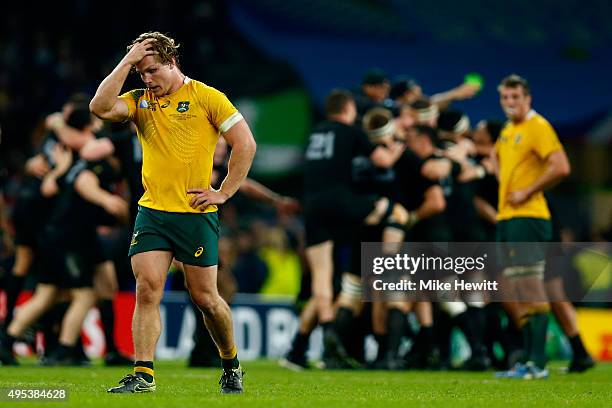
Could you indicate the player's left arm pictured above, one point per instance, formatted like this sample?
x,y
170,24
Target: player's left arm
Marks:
x,y
63,160
243,145
458,93
557,168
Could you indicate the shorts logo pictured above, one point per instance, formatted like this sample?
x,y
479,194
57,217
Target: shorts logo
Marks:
x,y
134,242
199,252
183,106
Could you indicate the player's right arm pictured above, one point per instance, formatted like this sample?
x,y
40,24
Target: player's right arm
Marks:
x,y
97,149
434,203
37,166
485,210
106,103
87,185
436,168
385,157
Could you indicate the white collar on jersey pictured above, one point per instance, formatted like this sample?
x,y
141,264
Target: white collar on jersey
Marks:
x,y
530,114
186,80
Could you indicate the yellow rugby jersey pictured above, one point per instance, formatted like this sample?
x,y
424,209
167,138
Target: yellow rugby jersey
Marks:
x,y
178,133
522,150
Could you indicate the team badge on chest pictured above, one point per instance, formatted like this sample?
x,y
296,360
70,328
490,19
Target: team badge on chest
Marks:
x,y
183,106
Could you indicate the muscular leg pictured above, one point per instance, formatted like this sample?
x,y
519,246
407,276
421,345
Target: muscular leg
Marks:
x,y
308,318
24,256
150,270
565,313
106,288
563,309
320,258
397,324
348,307
534,316
398,213
83,299
424,345
202,285
296,357
105,281
43,298
379,327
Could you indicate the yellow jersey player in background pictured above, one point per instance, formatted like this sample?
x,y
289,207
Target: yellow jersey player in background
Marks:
x,y
529,160
179,121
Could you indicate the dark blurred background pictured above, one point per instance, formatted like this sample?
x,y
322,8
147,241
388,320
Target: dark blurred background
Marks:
x,y
277,59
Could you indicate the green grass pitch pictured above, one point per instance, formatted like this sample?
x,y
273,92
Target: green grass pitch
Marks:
x,y
267,385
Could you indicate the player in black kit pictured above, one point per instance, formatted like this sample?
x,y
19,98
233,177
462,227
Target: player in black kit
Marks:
x,y
71,249
332,207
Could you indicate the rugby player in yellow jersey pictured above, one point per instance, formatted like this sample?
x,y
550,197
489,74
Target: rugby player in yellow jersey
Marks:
x,y
529,159
179,121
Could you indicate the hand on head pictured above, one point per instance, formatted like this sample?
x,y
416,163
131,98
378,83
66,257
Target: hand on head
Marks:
x,y
140,50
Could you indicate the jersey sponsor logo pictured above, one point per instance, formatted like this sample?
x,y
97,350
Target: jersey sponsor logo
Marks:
x,y
517,138
151,105
198,252
134,241
183,106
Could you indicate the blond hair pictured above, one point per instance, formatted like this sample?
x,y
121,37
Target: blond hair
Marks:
x,y
165,46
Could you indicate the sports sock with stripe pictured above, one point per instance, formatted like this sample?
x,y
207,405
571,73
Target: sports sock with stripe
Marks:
x,y
144,369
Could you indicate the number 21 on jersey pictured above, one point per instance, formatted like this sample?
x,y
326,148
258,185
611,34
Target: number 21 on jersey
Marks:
x,y
321,146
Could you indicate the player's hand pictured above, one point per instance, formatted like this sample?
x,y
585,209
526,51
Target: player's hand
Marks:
x,y
140,50
516,198
117,207
62,157
488,164
466,91
49,187
455,154
37,166
463,149
54,120
205,197
287,205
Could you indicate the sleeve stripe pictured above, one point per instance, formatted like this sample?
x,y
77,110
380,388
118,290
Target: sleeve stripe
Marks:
x,y
231,121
